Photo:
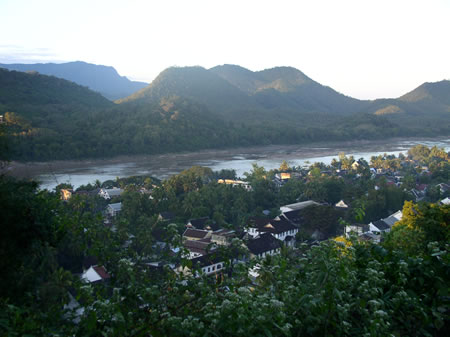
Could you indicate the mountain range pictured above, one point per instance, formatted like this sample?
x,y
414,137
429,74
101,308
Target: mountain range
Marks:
x,y
285,93
191,108
99,78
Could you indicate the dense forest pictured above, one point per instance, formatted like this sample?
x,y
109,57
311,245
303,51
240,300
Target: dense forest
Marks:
x,y
102,79
186,109
328,287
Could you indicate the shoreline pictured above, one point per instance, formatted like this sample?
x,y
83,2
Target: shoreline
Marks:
x,y
32,169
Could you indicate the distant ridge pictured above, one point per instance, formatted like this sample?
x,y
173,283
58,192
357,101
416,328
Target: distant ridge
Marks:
x,y
20,92
193,108
437,91
230,90
102,79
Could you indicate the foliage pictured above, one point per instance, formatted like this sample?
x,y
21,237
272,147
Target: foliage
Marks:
x,y
338,287
185,109
421,224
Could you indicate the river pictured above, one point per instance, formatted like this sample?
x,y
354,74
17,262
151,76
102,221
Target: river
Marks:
x,y
77,173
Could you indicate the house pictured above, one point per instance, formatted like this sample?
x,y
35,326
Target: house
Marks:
x,y
355,165
204,223
370,229
381,226
198,248
341,204
369,237
295,217
393,218
166,216
445,201
114,209
356,229
418,195
209,264
66,194
422,187
444,188
281,178
235,183
297,206
108,193
264,245
280,228
196,234
95,274
223,237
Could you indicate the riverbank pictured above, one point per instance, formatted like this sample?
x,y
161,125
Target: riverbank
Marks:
x,y
240,159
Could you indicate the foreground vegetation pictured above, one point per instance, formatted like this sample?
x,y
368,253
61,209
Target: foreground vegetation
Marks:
x,y
348,288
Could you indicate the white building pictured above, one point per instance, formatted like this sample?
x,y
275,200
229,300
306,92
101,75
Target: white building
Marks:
x,y
108,193
114,209
297,206
95,274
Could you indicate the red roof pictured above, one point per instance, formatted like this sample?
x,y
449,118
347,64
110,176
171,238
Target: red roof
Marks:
x,y
195,233
421,187
101,272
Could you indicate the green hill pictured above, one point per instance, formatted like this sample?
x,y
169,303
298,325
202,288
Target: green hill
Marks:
x,y
193,108
99,78
287,88
195,83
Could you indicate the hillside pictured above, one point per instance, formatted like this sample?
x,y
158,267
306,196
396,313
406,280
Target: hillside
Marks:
x,y
20,89
102,79
193,108
236,93
42,111
288,88
195,83
424,109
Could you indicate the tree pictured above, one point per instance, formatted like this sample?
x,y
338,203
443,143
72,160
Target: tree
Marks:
x,y
284,166
421,224
257,173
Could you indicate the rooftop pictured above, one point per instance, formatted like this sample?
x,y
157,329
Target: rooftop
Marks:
x,y
298,205
264,243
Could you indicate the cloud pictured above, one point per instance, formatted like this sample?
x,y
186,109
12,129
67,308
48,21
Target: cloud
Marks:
x,y
10,53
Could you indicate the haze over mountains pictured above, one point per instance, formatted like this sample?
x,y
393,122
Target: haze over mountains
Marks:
x,y
191,108
102,79
235,92
231,90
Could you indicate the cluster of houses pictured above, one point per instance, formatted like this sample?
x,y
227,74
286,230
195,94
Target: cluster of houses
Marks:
x,y
232,182
261,237
203,238
374,230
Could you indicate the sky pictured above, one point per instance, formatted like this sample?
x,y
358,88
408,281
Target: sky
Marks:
x,y
364,49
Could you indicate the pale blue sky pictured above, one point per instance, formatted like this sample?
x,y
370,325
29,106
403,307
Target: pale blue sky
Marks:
x,y
365,49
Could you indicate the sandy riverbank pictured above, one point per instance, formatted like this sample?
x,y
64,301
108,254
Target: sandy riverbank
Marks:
x,y
175,162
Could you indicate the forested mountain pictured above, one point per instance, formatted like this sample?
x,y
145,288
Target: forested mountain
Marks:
x,y
193,108
21,89
237,93
426,107
102,79
194,83
436,93
287,87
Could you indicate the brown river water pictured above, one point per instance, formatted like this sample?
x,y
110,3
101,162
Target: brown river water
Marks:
x,y
77,173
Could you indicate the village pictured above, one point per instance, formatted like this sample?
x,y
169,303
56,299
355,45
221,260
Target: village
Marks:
x,y
212,251
210,243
